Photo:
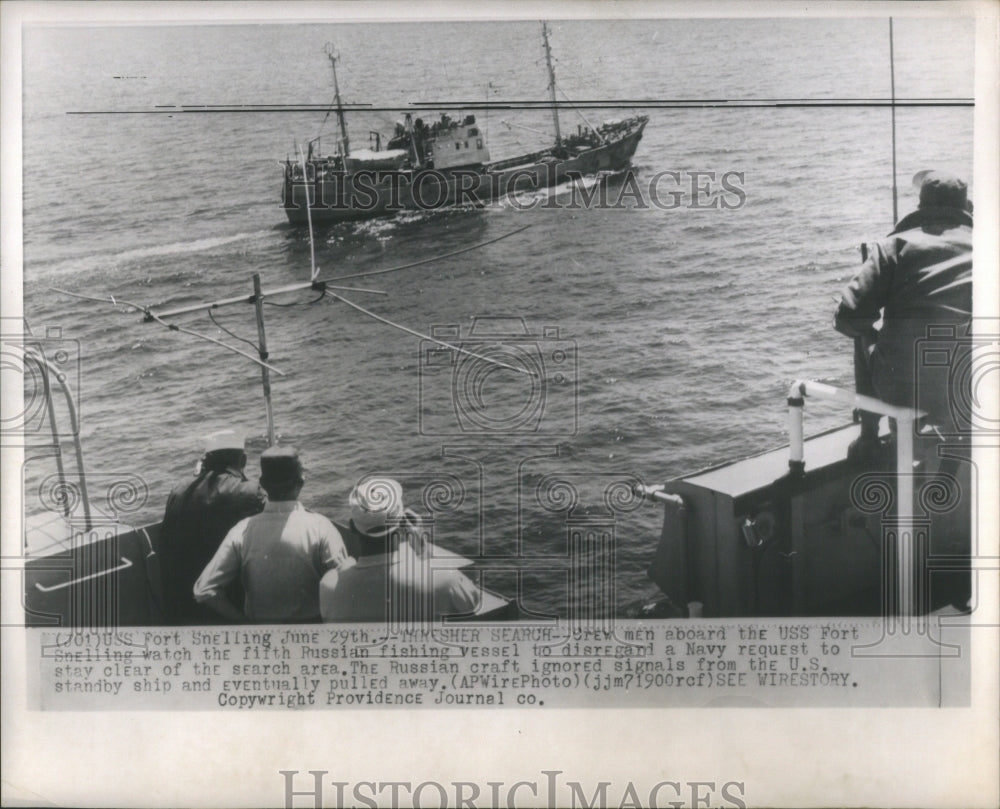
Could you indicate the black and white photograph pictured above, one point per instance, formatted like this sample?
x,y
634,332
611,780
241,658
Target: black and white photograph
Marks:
x,y
554,404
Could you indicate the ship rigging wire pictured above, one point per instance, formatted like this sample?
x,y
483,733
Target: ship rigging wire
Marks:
x,y
578,112
443,343
428,260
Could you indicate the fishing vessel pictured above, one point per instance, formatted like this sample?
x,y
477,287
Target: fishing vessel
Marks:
x,y
444,163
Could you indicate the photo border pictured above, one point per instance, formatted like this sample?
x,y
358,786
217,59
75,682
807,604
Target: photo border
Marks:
x,y
907,757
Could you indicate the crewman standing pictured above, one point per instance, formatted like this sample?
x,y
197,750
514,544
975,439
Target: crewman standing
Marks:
x,y
919,277
198,515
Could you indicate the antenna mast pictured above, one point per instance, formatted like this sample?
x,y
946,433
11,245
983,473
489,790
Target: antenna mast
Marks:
x,y
552,81
892,80
315,283
334,58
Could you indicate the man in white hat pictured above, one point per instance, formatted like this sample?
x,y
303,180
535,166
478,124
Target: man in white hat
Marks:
x,y
199,513
393,579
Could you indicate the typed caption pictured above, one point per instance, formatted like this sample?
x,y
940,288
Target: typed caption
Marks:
x,y
636,664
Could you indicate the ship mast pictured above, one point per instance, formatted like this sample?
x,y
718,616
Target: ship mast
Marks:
x,y
552,81
334,58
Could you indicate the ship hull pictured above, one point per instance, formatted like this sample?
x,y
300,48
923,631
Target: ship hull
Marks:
x,y
340,197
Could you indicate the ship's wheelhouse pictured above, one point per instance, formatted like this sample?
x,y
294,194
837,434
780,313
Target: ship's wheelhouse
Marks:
x,y
462,145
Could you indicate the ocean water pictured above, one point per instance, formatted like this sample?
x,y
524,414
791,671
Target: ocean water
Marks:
x,y
686,325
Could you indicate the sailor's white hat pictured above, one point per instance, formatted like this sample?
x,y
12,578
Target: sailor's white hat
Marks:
x,y
223,439
376,505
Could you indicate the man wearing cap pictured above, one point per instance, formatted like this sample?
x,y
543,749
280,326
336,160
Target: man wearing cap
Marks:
x,y
279,555
197,517
393,578
920,276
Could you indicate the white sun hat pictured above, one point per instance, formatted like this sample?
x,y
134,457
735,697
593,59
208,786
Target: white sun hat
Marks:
x,y
376,505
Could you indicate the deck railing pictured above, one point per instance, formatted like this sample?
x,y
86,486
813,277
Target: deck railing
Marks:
x,y
50,373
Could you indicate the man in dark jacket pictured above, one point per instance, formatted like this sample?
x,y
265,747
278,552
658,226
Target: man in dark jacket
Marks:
x,y
918,277
197,517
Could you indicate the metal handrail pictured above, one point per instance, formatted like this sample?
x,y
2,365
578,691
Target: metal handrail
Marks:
x,y
904,417
49,371
51,407
658,493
